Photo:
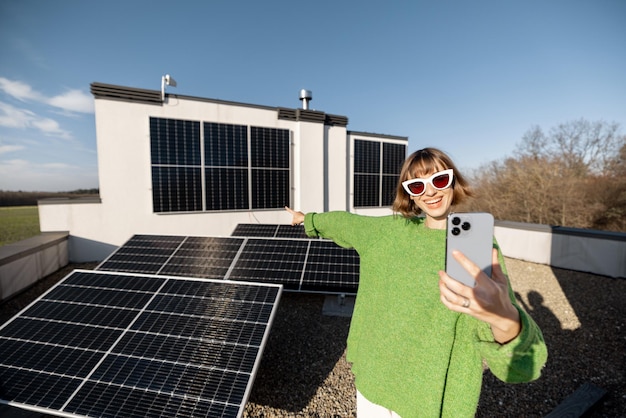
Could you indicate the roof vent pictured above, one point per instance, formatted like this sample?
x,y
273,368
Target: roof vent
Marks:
x,y
166,80
306,96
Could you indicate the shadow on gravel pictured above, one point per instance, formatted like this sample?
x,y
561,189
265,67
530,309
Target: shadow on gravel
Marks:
x,y
302,349
594,353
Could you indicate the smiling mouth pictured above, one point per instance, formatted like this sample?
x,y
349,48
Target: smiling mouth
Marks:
x,y
433,202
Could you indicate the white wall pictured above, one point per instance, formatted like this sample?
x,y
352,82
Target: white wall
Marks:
x,y
591,251
320,178
122,131
308,187
338,170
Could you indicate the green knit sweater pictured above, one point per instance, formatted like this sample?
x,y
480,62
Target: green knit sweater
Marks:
x,y
409,353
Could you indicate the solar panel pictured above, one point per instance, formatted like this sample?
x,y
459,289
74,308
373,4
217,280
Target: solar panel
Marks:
x,y
207,257
330,269
231,166
272,261
302,265
117,344
299,265
255,230
269,231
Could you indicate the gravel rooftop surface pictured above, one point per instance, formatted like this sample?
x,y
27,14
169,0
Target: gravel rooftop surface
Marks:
x,y
304,372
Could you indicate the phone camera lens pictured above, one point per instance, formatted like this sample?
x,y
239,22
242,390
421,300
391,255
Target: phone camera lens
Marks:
x,y
456,231
466,226
456,220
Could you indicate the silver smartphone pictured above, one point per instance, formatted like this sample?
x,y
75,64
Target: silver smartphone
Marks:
x,y
472,234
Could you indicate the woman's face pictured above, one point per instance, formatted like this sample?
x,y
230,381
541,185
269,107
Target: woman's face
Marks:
x,y
435,204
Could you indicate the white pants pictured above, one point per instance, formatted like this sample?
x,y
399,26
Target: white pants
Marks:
x,y
367,409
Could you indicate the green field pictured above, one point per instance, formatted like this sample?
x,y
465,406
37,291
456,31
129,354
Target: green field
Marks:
x,y
18,223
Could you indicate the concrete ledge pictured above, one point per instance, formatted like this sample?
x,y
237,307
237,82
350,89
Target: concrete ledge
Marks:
x,y
20,249
70,200
590,251
24,263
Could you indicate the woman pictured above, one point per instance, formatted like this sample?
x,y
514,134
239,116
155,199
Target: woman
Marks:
x,y
418,337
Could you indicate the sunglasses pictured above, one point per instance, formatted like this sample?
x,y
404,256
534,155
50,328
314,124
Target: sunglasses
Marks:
x,y
440,181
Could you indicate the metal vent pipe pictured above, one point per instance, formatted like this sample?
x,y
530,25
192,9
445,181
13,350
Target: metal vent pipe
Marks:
x,y
306,96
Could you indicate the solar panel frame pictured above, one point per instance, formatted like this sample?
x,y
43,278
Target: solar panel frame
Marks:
x,y
45,353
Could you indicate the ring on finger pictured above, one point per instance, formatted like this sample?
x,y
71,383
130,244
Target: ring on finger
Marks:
x,y
466,302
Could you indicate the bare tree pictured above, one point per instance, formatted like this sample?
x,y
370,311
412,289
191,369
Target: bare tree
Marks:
x,y
583,146
517,189
610,189
555,178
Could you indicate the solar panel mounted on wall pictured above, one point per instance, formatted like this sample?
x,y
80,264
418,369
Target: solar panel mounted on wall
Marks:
x,y
176,165
270,152
226,162
112,344
376,172
393,157
366,173
242,167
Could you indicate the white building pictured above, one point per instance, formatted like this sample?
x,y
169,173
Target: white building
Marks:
x,y
179,165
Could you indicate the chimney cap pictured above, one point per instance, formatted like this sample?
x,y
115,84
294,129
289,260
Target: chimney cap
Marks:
x,y
306,94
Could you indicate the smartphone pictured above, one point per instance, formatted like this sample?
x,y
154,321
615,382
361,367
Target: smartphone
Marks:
x,y
472,234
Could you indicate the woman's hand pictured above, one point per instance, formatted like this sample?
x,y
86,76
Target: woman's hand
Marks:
x,y
298,217
488,301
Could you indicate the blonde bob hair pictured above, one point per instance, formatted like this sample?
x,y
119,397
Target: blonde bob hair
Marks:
x,y
421,163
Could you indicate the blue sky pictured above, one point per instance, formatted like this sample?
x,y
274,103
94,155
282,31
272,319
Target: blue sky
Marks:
x,y
470,77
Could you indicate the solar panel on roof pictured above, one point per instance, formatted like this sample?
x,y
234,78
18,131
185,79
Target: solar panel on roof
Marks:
x,y
207,257
272,261
142,254
113,344
269,231
299,265
288,231
330,268
255,230
303,265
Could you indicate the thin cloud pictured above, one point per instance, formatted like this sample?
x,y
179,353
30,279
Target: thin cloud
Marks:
x,y
72,100
13,117
5,149
21,91
58,166
11,164
51,127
